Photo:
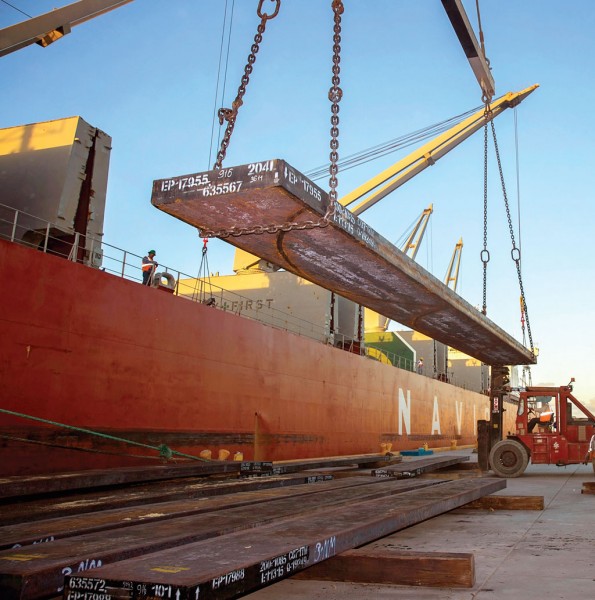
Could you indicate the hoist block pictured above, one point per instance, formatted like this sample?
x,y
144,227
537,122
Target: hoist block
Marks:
x,y
347,257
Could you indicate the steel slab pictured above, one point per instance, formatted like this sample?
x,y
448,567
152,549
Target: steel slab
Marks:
x,y
243,562
37,571
347,257
412,468
28,532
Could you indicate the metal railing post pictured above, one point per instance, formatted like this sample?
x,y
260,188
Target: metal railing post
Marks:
x,y
14,225
47,237
123,263
75,247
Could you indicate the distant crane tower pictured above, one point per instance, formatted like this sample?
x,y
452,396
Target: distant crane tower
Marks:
x,y
451,279
411,245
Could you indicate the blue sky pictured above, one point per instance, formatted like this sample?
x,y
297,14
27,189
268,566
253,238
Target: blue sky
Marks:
x,y
146,75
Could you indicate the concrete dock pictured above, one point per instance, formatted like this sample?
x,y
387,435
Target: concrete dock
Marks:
x,y
528,554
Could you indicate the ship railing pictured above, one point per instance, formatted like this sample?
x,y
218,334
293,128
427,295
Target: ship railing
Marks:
x,y
26,229
23,228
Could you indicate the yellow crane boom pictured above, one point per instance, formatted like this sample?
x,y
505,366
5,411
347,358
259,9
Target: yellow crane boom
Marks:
x,y
402,171
452,273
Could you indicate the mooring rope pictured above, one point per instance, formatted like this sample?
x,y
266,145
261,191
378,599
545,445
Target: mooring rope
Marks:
x,y
164,450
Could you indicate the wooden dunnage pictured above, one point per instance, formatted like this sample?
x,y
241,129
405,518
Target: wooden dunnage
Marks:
x,y
397,567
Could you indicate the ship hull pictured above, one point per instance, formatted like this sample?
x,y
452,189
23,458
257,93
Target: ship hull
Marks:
x,y
85,348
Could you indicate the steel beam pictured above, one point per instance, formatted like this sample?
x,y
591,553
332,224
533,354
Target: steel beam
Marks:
x,y
475,55
347,257
49,27
48,508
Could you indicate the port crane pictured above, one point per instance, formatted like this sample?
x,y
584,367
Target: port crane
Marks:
x,y
451,278
54,25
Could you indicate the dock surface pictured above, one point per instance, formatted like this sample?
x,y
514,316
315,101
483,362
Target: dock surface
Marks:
x,y
529,554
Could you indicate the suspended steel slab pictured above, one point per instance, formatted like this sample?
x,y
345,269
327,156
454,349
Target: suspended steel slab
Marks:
x,y
347,257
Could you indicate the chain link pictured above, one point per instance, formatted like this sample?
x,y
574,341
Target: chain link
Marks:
x,y
515,253
335,94
485,255
230,114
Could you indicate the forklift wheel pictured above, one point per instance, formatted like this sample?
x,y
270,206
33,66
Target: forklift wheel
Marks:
x,y
509,458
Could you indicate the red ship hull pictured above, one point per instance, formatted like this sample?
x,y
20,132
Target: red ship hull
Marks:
x,y
85,348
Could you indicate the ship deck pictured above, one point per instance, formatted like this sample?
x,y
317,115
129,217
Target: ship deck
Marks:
x,y
347,257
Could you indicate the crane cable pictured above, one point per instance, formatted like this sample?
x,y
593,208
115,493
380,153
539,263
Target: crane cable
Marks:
x,y
203,281
391,146
223,34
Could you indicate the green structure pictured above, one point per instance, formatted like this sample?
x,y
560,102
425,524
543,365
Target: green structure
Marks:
x,y
389,347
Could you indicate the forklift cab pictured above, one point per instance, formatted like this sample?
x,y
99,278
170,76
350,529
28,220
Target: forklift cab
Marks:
x,y
537,413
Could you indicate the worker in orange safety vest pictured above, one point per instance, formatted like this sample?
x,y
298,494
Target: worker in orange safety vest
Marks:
x,y
148,267
545,417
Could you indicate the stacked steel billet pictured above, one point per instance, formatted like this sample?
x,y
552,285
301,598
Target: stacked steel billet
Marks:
x,y
249,560
38,570
412,468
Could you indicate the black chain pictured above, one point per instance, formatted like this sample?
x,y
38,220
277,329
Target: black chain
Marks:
x,y
230,114
515,253
335,94
485,255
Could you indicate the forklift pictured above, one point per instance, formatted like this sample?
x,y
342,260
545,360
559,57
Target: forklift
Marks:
x,y
567,439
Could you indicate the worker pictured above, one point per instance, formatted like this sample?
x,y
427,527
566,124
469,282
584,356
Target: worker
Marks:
x,y
545,417
590,456
420,366
149,266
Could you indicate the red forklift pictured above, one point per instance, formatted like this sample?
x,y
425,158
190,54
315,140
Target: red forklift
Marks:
x,y
567,439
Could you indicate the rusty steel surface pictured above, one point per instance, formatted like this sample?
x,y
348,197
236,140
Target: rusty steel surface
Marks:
x,y
412,468
35,532
347,257
97,478
245,561
18,510
38,570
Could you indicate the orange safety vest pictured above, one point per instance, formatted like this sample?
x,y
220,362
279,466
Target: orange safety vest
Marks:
x,y
147,266
544,417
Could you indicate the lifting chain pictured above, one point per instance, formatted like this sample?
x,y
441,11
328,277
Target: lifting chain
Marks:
x,y
515,253
485,255
230,114
335,94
